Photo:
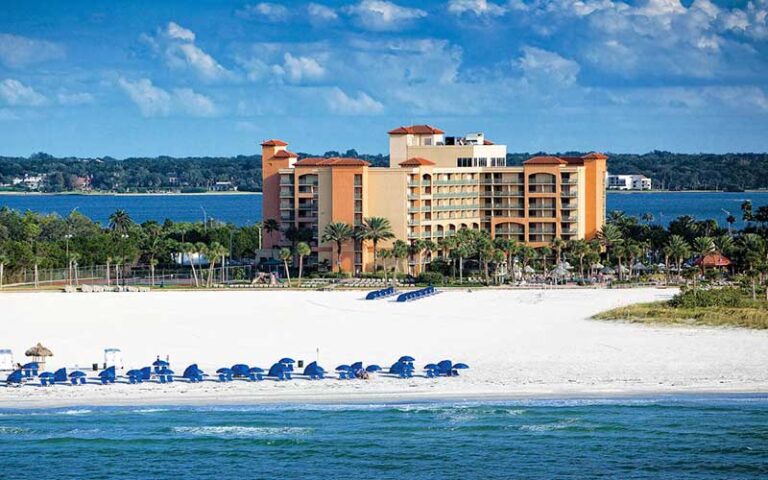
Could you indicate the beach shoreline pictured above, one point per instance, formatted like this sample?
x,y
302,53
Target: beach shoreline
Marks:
x,y
518,343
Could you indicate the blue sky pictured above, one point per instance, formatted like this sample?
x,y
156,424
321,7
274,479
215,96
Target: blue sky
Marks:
x,y
214,77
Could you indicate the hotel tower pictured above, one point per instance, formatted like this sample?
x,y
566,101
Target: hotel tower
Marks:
x,y
434,186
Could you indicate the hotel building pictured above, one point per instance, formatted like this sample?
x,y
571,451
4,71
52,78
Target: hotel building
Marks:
x,y
434,186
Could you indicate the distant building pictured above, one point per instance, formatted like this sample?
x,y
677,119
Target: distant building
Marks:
x,y
82,183
223,187
628,182
30,182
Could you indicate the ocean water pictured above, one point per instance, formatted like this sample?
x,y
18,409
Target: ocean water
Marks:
x,y
661,438
245,209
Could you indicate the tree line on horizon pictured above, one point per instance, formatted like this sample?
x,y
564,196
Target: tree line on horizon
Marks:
x,y
669,171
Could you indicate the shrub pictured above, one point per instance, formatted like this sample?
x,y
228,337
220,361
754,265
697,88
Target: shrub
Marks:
x,y
716,297
434,278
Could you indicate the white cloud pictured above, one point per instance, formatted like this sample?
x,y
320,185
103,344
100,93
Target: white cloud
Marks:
x,y
298,69
154,101
151,100
265,12
176,31
381,15
478,7
15,93
17,51
193,103
361,104
176,45
74,99
320,14
547,68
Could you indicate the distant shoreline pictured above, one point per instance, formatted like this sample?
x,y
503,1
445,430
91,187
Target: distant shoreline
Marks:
x,y
115,194
168,194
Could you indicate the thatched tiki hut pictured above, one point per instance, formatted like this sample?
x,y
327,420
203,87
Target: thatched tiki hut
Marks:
x,y
39,353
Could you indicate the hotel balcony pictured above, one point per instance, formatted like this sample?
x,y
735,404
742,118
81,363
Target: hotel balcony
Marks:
x,y
457,182
569,193
285,193
542,188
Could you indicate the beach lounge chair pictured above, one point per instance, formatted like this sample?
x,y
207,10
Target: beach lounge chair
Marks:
x,y
160,364
314,371
135,376
60,376
15,378
46,379
77,377
240,370
193,373
279,372
108,375
256,374
225,374
30,369
344,371
165,375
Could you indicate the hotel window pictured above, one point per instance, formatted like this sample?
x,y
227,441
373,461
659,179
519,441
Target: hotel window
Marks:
x,y
358,180
464,162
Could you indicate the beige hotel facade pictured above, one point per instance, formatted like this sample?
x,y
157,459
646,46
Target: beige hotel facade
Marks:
x,y
434,186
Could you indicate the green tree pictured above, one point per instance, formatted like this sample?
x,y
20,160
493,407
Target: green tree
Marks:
x,y
338,233
375,230
286,256
302,250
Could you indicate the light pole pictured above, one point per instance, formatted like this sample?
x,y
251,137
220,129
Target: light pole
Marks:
x,y
69,263
125,260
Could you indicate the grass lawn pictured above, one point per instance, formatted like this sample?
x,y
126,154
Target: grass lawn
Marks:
x,y
662,313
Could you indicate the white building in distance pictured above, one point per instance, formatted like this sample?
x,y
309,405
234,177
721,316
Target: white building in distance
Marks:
x,y
628,182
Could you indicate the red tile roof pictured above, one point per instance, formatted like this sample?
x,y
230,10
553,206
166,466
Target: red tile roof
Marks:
x,y
545,160
713,260
274,143
595,156
488,142
284,154
416,129
416,162
332,162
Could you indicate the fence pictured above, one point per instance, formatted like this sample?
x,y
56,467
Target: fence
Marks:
x,y
137,275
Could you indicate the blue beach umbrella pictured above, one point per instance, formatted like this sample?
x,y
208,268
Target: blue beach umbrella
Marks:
x,y
356,366
343,368
256,370
192,370
77,374
372,368
406,358
160,363
166,371
240,369
46,375
287,360
136,372
430,366
224,370
461,366
14,377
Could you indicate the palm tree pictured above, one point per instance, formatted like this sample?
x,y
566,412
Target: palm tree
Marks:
x,y
286,256
302,250
188,249
385,255
580,249
337,232
270,225
703,246
376,229
214,252
3,261
679,250
647,217
120,222
610,238
399,252
557,245
415,249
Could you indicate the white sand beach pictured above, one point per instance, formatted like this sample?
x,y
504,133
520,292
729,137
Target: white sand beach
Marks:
x,y
519,343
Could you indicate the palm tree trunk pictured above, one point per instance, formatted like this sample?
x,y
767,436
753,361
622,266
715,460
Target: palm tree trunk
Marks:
x,y
461,269
338,255
151,273
109,280
37,276
375,256
287,272
301,268
2,272
194,273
